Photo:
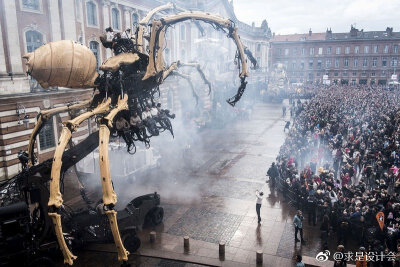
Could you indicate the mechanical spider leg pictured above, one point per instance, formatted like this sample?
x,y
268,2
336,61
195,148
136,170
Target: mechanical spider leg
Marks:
x,y
200,71
187,78
144,22
158,31
251,57
55,199
42,117
109,196
170,69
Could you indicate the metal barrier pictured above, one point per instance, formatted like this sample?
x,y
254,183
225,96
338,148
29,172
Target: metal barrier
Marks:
x,y
288,193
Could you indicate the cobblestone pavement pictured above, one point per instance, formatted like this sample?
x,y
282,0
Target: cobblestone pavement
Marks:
x,y
100,259
207,225
236,189
208,193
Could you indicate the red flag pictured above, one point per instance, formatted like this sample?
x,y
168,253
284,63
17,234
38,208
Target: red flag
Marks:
x,y
380,217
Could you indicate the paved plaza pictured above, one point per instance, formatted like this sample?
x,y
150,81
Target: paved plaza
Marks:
x,y
208,194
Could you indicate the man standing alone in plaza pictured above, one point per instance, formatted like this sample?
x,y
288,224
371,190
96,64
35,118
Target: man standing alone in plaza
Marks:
x,y
259,196
298,226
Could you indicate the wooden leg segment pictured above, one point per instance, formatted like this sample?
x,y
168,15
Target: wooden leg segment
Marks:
x,y
42,117
55,194
55,199
109,196
32,139
68,256
122,252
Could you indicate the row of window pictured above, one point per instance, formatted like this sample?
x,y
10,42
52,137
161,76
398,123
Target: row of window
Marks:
x,y
92,15
346,63
343,81
91,12
338,50
34,39
344,74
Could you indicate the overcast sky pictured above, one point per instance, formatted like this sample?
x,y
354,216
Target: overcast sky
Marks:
x,y
298,16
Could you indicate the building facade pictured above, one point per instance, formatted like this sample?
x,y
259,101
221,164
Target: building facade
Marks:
x,y
18,117
27,24
355,57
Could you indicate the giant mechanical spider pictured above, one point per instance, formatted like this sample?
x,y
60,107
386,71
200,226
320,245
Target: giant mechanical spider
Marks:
x,y
129,81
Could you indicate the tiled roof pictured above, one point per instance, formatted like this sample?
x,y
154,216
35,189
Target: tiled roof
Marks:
x,y
364,35
357,35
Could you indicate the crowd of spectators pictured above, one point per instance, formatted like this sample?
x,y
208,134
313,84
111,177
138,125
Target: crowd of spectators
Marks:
x,y
340,164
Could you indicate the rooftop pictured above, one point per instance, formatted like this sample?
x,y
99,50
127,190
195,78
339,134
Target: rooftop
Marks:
x,y
353,34
299,37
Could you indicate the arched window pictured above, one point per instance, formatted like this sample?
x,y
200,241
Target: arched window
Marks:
x,y
94,46
91,13
115,19
135,21
34,39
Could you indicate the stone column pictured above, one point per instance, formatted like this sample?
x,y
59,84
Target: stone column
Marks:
x,y
82,10
177,42
3,69
12,31
106,22
55,24
69,19
106,14
128,24
265,54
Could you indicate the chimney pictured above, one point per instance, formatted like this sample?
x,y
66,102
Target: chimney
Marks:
x,y
389,31
309,32
328,33
353,31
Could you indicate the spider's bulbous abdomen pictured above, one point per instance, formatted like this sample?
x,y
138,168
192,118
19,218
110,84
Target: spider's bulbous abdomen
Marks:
x,y
63,63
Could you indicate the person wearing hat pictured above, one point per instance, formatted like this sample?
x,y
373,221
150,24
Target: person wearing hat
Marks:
x,y
259,196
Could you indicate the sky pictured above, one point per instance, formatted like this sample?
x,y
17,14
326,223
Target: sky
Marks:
x,y
298,16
